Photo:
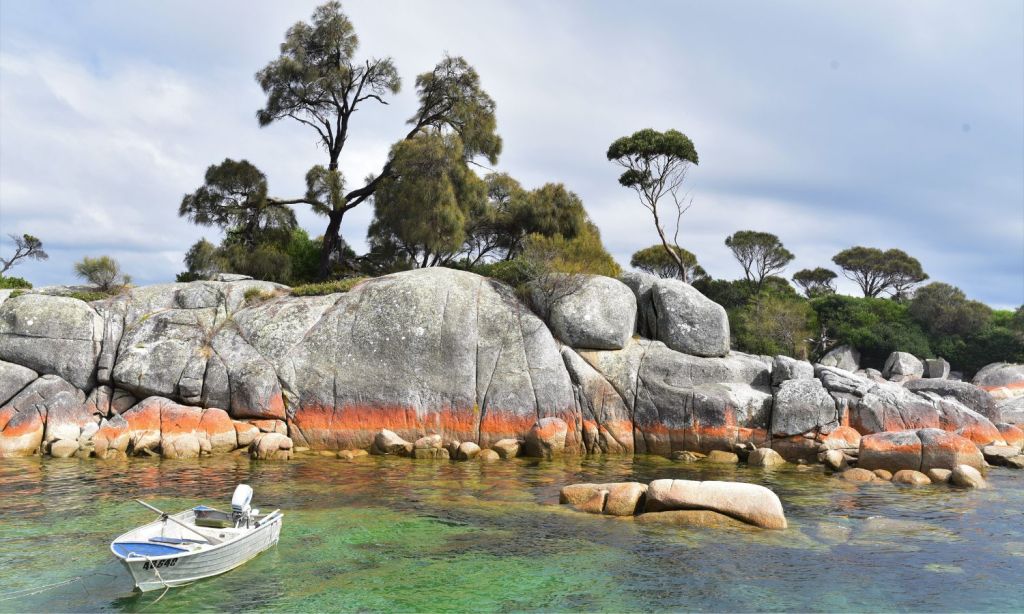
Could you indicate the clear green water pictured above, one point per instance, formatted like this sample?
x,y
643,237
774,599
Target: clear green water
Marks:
x,y
399,535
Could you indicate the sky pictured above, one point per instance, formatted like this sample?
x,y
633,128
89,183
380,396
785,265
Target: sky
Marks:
x,y
829,124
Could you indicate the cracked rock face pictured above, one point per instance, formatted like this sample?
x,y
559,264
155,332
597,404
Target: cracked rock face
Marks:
x,y
52,335
435,350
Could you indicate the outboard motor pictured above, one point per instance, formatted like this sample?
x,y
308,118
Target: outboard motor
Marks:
x,y
240,508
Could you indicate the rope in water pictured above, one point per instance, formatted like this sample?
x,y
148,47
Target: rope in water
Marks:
x,y
33,590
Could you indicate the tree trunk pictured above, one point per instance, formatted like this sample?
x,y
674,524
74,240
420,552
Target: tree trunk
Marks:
x,y
332,240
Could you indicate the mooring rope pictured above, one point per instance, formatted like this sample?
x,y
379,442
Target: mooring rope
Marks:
x,y
33,590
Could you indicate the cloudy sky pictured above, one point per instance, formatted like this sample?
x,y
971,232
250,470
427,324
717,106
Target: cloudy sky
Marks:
x,y
888,124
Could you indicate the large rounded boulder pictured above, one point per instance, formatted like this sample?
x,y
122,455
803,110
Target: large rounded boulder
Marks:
x,y
587,311
433,350
53,335
1004,380
688,321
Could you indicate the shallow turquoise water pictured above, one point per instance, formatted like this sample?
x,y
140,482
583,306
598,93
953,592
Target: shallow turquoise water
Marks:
x,y
383,534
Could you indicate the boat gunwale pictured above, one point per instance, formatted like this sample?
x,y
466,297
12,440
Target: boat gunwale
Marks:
x,y
275,515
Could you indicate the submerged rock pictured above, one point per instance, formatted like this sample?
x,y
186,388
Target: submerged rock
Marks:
x,y
765,457
967,477
911,478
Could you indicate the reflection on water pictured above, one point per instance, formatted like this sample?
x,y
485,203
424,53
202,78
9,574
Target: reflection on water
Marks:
x,y
394,534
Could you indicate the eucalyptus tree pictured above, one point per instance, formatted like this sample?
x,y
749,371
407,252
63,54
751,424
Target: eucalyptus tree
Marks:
x,y
656,261
761,254
318,81
816,282
876,271
655,166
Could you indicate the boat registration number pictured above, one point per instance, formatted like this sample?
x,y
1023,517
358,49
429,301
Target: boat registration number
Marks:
x,y
158,564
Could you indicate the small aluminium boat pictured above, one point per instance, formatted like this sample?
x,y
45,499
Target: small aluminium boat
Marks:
x,y
178,549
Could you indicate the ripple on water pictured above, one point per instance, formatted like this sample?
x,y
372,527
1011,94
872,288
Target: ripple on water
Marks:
x,y
391,534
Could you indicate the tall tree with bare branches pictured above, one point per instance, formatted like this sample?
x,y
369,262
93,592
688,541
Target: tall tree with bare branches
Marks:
x,y
656,164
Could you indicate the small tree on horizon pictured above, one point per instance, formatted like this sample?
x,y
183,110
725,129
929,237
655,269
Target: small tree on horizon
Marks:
x,y
656,261
761,254
103,272
26,247
656,164
816,282
876,271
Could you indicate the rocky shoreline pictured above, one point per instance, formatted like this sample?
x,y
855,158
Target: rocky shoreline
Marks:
x,y
439,363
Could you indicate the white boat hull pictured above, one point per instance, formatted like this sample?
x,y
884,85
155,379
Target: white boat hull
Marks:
x,y
158,572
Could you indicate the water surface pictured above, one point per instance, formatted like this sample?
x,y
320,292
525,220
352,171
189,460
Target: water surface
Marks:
x,y
387,534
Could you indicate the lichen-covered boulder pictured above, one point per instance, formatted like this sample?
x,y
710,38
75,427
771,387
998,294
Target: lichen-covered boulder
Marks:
x,y
688,321
891,407
506,448
902,365
1003,380
843,357
919,450
750,503
106,401
1011,410
936,368
607,422
13,379
388,442
546,438
596,312
271,446
620,498
972,396
966,476
802,406
684,402
24,418
112,436
765,457
178,431
52,335
165,354
429,350
785,368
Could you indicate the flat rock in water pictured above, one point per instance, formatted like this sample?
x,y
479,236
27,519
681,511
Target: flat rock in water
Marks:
x,y
967,477
910,477
765,457
750,503
721,456
939,476
858,474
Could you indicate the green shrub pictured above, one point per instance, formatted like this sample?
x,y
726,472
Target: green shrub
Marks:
x,y
515,272
773,325
327,287
876,327
13,282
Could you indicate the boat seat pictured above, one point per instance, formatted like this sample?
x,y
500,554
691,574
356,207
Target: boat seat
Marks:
x,y
177,540
144,549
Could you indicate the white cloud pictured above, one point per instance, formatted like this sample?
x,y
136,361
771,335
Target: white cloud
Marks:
x,y
829,125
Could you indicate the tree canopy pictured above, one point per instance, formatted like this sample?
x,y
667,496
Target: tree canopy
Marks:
x,y
655,166
234,198
945,310
876,271
656,261
423,207
816,282
26,247
761,254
